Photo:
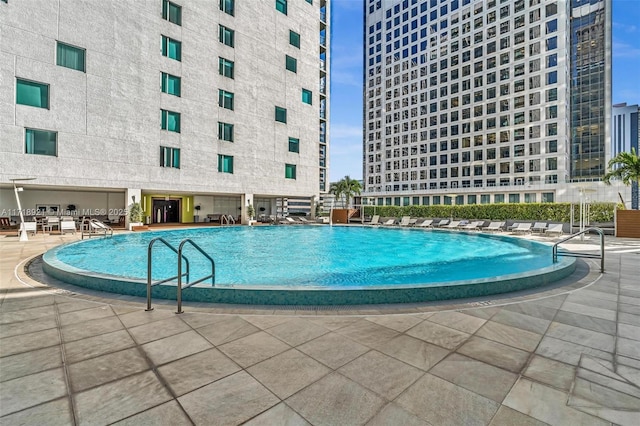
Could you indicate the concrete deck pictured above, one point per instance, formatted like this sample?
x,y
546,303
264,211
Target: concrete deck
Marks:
x,y
565,355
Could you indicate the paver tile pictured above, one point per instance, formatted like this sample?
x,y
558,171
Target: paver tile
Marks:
x,y
23,364
511,336
28,342
587,322
96,371
227,330
168,413
90,347
175,347
85,329
367,333
522,321
382,374
26,314
399,323
333,350
297,331
438,335
288,372
237,398
629,331
509,417
28,391
29,326
53,413
281,414
476,376
197,370
546,404
120,399
494,353
568,352
629,348
139,317
576,308
440,402
551,372
159,329
100,311
581,336
393,414
254,348
330,401
458,321
414,351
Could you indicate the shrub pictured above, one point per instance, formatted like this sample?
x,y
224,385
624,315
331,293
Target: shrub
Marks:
x,y
552,212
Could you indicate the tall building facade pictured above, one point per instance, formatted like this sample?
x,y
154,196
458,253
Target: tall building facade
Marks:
x,y
625,136
203,107
469,101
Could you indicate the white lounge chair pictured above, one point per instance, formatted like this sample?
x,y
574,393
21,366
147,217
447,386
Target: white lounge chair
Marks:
x,y
555,228
405,220
452,225
289,221
513,226
95,227
375,220
475,225
442,223
522,227
29,227
539,227
67,225
413,221
427,223
389,222
494,226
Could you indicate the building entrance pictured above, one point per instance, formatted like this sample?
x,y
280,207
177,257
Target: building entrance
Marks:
x,y
165,211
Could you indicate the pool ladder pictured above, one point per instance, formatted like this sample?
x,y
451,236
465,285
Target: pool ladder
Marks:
x,y
181,256
600,256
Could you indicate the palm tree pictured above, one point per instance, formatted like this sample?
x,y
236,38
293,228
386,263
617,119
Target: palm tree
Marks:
x,y
626,167
347,188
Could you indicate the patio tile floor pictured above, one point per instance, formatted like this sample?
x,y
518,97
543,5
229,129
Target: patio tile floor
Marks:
x,y
563,355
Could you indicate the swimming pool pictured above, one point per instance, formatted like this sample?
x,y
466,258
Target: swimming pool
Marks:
x,y
319,264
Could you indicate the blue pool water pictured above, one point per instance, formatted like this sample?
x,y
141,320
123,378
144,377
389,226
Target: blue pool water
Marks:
x,y
314,256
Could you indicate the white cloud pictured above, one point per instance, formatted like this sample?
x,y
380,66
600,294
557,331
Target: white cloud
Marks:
x,y
625,50
629,29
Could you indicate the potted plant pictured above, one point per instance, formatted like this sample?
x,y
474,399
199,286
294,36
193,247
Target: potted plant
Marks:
x,y
135,215
251,211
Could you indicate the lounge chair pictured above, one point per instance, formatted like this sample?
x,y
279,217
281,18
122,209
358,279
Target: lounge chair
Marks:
x,y
539,227
494,226
442,223
304,220
513,226
405,220
289,221
427,223
389,222
412,222
67,225
473,226
555,228
52,222
462,224
375,220
95,227
452,225
29,227
522,227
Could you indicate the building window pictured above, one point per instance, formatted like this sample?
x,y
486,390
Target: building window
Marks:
x,y
226,36
225,99
171,48
291,64
547,197
498,198
514,198
70,57
225,163
170,120
41,142
172,12
307,96
170,84
227,6
281,6
294,39
169,157
294,145
32,93
281,114
225,131
225,67
290,171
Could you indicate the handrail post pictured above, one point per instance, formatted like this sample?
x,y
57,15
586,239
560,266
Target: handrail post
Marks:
x,y
179,294
601,251
149,269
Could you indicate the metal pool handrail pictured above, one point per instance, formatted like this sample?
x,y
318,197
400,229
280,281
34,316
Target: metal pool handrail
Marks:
x,y
188,284
149,268
599,231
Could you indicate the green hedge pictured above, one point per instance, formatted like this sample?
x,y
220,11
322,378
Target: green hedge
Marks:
x,y
553,212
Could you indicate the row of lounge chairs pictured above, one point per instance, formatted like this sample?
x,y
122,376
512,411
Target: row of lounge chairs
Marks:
x,y
407,221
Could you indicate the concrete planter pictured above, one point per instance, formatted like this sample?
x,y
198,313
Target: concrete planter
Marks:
x,y
628,223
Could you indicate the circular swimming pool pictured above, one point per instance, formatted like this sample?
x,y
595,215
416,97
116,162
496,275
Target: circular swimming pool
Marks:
x,y
313,265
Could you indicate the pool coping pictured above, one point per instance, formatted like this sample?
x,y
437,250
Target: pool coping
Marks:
x,y
309,296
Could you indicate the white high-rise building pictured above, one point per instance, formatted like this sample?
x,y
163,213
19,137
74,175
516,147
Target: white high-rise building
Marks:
x,y
471,101
192,107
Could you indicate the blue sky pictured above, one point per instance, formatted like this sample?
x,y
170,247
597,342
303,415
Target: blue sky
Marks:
x,y
346,77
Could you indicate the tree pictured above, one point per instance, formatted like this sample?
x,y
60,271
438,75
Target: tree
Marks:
x,y
626,167
347,188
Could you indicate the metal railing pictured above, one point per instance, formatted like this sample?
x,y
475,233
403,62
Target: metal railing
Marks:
x,y
189,284
599,231
94,227
150,268
181,256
